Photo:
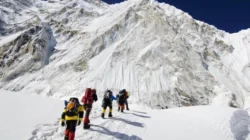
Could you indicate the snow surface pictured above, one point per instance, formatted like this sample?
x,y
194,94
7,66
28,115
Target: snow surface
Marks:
x,y
160,54
34,117
22,113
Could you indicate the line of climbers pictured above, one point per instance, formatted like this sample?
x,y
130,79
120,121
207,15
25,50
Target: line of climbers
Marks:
x,y
73,112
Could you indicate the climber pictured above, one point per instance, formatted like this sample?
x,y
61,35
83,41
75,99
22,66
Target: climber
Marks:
x,y
87,100
72,114
107,102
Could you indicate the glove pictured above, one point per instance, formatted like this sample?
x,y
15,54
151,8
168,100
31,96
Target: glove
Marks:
x,y
79,122
62,124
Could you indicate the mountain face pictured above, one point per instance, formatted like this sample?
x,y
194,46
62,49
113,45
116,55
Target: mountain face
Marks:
x,y
163,56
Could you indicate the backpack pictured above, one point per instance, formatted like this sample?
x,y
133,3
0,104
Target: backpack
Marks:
x,y
94,96
72,98
126,95
121,96
107,95
87,98
123,91
72,107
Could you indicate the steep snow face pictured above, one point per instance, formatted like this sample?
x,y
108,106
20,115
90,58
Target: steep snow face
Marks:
x,y
238,63
12,13
160,54
23,54
11,9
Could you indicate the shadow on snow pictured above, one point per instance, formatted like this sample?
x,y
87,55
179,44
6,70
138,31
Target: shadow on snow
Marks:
x,y
143,116
117,135
139,112
128,122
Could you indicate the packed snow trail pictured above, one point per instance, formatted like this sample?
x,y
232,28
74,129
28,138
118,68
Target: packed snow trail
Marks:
x,y
38,118
191,123
125,126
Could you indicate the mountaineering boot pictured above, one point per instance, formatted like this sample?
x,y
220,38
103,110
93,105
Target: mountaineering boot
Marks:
x,y
86,126
127,107
110,114
118,109
103,112
122,110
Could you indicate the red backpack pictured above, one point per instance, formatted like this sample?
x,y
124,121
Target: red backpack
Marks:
x,y
87,98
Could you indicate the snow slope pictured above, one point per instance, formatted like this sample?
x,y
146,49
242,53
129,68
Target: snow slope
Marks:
x,y
37,118
160,54
22,113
